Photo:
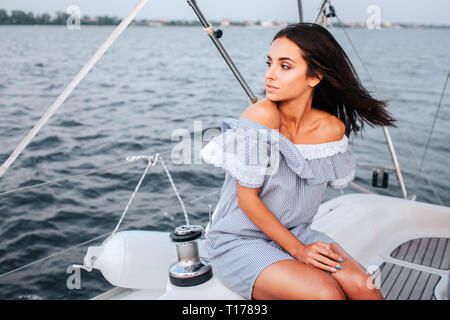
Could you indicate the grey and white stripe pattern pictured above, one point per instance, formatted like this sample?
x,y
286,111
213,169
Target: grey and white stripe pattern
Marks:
x,y
292,181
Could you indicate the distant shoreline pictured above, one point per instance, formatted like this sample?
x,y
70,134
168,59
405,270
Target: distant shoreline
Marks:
x,y
18,17
409,27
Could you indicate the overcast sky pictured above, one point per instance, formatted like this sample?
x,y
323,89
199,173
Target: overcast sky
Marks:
x,y
416,11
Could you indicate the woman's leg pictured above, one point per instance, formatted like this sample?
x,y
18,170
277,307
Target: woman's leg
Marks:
x,y
353,278
294,280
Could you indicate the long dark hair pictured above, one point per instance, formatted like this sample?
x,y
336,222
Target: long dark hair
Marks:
x,y
340,91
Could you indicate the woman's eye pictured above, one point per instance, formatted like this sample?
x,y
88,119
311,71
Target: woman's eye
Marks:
x,y
284,66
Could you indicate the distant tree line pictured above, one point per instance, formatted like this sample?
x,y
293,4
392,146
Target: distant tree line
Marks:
x,y
60,18
19,17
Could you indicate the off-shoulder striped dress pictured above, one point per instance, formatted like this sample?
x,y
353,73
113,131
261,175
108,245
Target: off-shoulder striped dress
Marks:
x,y
292,178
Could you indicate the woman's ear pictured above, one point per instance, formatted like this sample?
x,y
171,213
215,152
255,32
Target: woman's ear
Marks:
x,y
314,81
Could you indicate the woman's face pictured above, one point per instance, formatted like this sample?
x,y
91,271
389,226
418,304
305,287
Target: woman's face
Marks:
x,y
286,74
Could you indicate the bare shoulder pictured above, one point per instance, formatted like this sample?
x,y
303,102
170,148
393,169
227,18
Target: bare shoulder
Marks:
x,y
332,128
264,112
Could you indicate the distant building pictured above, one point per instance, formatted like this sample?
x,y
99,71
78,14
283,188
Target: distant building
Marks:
x,y
250,23
267,24
93,20
225,23
154,23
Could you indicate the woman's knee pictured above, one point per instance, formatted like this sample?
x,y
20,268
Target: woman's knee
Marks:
x,y
331,292
294,280
354,278
364,286
328,289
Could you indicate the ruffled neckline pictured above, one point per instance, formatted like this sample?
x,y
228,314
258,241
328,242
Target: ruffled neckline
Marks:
x,y
320,144
298,161
295,158
322,150
304,151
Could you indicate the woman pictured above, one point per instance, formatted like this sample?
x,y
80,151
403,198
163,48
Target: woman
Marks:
x,y
260,242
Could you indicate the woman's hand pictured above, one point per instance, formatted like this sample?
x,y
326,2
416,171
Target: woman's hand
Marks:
x,y
319,255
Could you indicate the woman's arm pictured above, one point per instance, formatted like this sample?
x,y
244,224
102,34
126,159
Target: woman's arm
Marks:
x,y
265,220
318,254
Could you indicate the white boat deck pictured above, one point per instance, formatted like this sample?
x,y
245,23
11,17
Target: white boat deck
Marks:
x,y
408,241
421,271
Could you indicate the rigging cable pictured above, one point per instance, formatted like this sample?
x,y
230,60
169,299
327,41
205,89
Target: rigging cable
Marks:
x,y
52,255
87,242
72,85
85,173
434,121
123,214
431,132
376,89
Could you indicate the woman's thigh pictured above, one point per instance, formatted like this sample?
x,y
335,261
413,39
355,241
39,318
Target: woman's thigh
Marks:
x,y
294,280
353,278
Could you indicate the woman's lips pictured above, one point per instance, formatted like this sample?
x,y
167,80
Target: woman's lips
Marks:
x,y
269,87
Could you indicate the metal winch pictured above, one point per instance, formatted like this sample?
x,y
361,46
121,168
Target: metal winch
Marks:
x,y
191,269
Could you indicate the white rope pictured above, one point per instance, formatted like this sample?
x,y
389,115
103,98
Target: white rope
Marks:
x,y
176,192
72,85
131,159
150,163
91,240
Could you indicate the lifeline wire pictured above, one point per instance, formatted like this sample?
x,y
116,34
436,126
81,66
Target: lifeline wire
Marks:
x,y
51,256
85,173
86,242
72,85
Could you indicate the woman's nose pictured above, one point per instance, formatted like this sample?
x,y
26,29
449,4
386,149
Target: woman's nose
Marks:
x,y
270,73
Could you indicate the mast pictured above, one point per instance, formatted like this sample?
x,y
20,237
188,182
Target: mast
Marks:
x,y
300,10
322,7
215,35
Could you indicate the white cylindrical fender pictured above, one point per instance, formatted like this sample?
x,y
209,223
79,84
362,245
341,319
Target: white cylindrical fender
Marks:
x,y
134,259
